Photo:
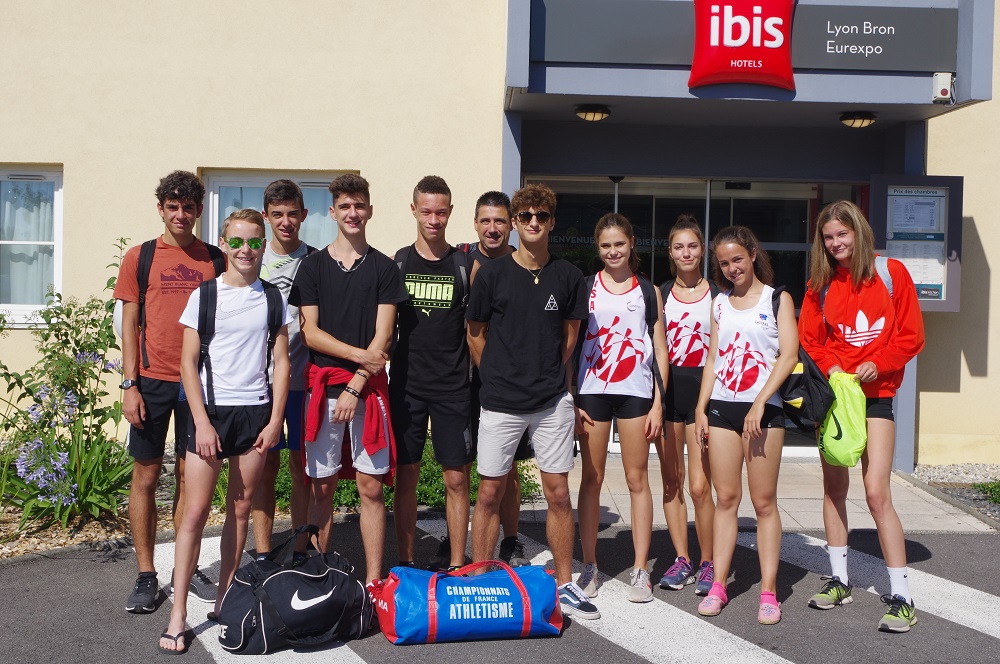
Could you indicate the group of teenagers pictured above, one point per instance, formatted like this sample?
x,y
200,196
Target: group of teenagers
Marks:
x,y
484,342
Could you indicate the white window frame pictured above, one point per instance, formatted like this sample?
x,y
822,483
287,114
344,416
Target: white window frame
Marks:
x,y
25,315
215,179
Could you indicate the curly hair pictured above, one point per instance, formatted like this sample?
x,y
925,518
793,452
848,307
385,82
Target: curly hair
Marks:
x,y
534,196
744,237
621,222
822,264
350,184
686,222
283,191
431,184
180,186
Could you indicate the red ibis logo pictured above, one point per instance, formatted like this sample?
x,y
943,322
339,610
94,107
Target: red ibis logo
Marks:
x,y
743,41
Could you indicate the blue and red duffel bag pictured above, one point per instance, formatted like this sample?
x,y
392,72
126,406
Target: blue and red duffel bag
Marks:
x,y
418,606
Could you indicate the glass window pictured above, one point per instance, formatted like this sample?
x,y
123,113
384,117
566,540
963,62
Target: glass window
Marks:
x,y
30,230
231,191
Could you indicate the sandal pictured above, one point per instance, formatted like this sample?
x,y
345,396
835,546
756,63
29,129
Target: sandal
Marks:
x,y
175,638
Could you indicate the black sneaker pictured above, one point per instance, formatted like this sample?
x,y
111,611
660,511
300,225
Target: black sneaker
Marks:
x,y
512,552
442,559
574,602
143,597
201,587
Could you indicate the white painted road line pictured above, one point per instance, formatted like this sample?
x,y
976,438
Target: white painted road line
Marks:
x,y
647,630
207,633
938,596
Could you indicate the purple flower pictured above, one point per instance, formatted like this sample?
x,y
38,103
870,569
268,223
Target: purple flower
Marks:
x,y
113,366
87,357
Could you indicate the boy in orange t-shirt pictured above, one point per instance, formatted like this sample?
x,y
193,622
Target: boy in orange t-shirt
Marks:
x,y
152,379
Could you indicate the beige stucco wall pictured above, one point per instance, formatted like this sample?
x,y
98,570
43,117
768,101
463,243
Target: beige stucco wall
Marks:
x,y
122,93
959,371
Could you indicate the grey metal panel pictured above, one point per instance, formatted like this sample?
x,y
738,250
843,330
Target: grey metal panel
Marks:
x,y
975,53
518,30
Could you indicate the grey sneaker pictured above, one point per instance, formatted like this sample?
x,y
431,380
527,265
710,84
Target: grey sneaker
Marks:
x,y
641,586
589,580
201,587
143,597
575,603
831,594
512,552
706,576
679,575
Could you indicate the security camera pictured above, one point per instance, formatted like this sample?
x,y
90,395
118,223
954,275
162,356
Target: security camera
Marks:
x,y
941,91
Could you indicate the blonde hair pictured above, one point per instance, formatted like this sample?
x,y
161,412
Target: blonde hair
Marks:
x,y
246,214
822,265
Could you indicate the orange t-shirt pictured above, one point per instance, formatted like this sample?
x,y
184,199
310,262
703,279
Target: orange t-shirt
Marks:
x,y
174,274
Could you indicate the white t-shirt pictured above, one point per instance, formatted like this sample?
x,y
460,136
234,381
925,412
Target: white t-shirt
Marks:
x,y
239,347
617,353
688,326
748,347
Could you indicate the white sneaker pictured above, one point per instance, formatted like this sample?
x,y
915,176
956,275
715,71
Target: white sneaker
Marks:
x,y
641,586
589,580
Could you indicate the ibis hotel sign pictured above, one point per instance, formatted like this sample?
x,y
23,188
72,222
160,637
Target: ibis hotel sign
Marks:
x,y
744,41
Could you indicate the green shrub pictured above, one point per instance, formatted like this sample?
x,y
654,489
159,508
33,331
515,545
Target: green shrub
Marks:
x,y
990,489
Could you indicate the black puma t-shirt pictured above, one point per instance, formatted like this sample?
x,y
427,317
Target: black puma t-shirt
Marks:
x,y
521,368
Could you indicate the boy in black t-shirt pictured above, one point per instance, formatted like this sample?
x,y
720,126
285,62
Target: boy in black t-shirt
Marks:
x,y
524,314
430,373
347,296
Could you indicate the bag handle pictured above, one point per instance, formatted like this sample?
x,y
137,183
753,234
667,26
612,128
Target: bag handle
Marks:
x,y
432,604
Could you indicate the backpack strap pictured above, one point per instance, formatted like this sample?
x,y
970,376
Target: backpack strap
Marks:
x,y
462,265
653,314
145,265
714,289
401,257
218,258
665,289
208,297
776,301
275,307
881,267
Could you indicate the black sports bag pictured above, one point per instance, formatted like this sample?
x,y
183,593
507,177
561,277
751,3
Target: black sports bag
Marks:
x,y
271,605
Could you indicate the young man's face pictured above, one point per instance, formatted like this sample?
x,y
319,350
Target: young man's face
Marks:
x,y
531,229
244,259
351,212
285,219
432,212
493,226
179,216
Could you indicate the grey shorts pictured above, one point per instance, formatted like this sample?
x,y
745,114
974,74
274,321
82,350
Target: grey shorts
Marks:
x,y
323,457
551,432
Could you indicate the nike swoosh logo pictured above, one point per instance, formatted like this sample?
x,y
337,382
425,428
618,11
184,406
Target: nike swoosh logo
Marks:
x,y
223,314
840,432
303,604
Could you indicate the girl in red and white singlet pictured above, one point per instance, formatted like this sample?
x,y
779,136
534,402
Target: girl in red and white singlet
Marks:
x,y
687,307
860,328
616,381
739,416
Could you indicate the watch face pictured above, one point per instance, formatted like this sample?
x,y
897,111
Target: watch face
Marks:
x,y
127,384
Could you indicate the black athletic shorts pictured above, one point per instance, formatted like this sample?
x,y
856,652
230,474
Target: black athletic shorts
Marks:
x,y
161,398
879,408
450,433
682,394
605,407
731,415
237,427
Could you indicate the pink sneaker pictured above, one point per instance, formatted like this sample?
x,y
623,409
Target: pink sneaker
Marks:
x,y
711,606
769,614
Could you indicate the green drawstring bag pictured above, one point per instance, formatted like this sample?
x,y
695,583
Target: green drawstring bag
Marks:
x,y
844,433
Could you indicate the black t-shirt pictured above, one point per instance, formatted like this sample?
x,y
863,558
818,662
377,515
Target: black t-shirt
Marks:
x,y
431,359
348,301
521,368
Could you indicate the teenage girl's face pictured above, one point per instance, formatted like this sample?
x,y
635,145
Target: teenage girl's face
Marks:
x,y
614,248
839,242
686,251
736,263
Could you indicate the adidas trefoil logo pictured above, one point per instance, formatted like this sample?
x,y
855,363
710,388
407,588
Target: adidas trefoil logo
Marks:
x,y
862,334
551,305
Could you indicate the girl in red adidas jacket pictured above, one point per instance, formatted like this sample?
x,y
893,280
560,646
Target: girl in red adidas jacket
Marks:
x,y
859,328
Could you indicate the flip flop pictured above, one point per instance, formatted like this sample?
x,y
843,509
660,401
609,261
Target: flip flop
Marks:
x,y
175,638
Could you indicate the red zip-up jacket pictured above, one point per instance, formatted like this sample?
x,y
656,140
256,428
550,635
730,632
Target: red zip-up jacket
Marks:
x,y
864,325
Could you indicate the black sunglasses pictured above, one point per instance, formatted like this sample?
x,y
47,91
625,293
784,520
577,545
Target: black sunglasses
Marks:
x,y
525,217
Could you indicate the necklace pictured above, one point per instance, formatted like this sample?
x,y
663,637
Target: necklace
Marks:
x,y
691,288
535,273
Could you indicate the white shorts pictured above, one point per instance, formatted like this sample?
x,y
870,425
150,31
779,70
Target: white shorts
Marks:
x,y
551,432
324,455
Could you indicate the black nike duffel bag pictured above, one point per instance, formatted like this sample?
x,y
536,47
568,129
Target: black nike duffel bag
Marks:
x,y
271,605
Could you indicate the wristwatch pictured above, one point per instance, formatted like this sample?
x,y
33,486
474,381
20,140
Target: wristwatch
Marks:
x,y
127,383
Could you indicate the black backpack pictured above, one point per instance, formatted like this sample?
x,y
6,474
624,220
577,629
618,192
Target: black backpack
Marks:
x,y
272,605
208,297
146,252
806,395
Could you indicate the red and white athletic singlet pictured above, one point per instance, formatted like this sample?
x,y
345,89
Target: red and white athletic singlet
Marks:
x,y
617,355
689,329
748,347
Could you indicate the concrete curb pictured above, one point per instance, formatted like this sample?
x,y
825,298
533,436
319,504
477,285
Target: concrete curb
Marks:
x,y
940,495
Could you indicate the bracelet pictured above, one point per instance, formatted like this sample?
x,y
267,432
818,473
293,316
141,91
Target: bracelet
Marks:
x,y
361,373
353,392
